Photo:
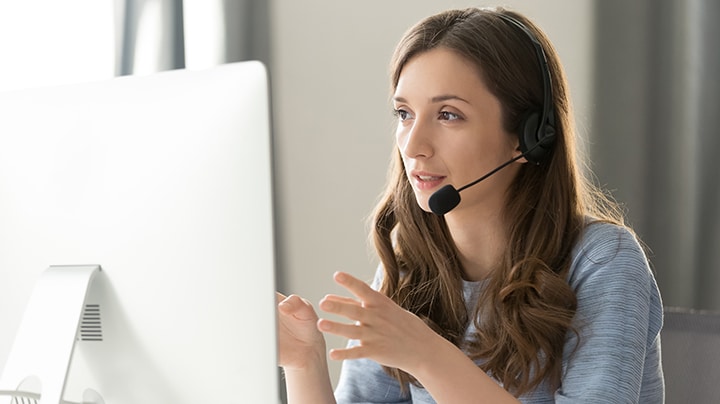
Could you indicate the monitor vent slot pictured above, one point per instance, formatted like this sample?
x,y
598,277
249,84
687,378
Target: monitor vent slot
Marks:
x,y
23,400
91,324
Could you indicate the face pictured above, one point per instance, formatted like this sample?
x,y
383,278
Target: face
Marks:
x,y
449,131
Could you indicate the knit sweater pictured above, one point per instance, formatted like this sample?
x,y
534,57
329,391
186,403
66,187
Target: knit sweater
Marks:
x,y
618,320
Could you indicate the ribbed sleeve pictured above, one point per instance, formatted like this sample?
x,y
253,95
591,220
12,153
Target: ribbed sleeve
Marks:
x,y
619,317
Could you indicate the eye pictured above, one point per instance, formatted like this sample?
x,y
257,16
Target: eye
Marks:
x,y
448,116
402,114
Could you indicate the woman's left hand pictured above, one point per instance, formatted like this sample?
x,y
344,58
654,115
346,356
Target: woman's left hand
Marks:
x,y
388,334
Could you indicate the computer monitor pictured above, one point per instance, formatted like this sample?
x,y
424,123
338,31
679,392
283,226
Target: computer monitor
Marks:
x,y
136,241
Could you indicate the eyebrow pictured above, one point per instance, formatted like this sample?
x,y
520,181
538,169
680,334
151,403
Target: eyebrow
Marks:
x,y
437,98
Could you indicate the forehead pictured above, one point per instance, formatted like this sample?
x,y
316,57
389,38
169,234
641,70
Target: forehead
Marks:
x,y
438,71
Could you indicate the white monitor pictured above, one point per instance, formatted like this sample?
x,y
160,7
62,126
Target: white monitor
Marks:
x,y
142,205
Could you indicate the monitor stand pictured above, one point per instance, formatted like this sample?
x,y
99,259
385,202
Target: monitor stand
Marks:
x,y
37,366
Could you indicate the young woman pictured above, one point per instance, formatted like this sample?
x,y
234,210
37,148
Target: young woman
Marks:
x,y
530,289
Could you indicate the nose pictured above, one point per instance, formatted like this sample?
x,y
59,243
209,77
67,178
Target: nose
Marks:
x,y
415,140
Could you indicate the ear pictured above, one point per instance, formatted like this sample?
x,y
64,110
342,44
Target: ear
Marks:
x,y
518,151
521,160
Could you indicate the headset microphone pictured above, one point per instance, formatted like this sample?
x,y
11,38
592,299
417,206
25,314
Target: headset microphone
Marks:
x,y
447,197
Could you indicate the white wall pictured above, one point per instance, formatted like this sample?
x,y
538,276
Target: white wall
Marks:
x,y
46,42
333,126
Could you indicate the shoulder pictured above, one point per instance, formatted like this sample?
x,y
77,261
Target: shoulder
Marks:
x,y
610,272
614,351
602,240
606,249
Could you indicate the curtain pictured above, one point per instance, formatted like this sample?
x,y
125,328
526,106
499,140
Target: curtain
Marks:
x,y
149,36
653,138
154,35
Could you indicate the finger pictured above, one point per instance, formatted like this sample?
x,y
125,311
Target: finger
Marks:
x,y
354,352
346,307
342,299
349,331
360,289
288,303
297,307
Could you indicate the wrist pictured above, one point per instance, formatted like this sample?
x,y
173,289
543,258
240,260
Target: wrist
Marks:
x,y
309,382
438,350
314,359
451,376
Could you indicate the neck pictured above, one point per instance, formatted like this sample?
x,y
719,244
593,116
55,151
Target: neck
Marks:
x,y
480,239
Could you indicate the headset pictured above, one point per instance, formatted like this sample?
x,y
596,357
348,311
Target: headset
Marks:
x,y
537,132
537,129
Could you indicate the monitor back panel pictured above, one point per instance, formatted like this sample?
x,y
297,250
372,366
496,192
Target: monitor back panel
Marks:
x,y
165,182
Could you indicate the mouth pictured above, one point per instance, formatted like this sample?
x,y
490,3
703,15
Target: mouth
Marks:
x,y
427,181
429,178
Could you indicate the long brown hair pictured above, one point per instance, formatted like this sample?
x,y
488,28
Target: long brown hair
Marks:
x,y
527,307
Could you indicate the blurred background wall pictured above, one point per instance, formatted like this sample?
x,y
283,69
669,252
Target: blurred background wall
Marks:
x,y
643,77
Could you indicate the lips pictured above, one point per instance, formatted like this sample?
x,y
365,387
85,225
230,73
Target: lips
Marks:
x,y
425,181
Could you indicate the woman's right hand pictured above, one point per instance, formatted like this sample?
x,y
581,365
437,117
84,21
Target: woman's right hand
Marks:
x,y
300,343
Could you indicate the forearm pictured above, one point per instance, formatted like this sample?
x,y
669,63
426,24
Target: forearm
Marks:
x,y
451,377
311,384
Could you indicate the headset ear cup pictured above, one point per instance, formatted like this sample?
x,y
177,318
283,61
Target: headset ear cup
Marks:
x,y
528,136
529,140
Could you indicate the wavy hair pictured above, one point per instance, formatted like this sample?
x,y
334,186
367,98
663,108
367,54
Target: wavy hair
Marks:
x,y
526,309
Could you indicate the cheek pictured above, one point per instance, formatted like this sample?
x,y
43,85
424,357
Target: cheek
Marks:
x,y
466,156
400,140
404,165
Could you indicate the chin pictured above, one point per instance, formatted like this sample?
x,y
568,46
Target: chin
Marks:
x,y
423,202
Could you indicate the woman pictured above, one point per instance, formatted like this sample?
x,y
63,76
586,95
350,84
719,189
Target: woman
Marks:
x,y
530,290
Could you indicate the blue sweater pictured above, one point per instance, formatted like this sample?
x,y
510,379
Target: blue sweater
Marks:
x,y
618,319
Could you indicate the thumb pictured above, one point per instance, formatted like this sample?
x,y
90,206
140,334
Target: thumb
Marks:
x,y
297,307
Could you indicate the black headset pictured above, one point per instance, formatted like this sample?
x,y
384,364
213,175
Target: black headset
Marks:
x,y
537,129
537,133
